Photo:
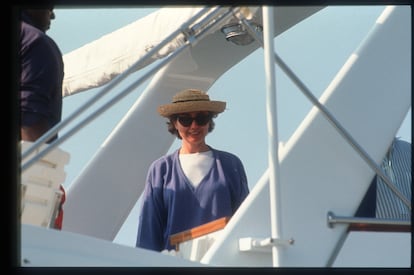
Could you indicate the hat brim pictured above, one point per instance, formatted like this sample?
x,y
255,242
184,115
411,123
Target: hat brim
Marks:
x,y
191,106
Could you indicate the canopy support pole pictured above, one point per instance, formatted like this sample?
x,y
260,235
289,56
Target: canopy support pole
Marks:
x,y
273,140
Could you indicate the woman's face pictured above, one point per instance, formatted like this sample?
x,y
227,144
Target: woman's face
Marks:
x,y
193,126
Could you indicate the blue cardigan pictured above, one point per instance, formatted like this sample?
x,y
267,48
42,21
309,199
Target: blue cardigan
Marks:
x,y
171,204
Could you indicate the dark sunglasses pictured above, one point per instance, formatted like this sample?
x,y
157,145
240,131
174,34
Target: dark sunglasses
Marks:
x,y
200,119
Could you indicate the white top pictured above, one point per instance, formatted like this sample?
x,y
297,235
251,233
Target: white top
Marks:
x,y
196,166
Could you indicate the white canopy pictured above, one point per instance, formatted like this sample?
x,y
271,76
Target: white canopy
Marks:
x,y
97,62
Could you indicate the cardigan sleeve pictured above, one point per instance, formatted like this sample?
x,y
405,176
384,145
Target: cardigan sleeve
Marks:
x,y
152,218
242,189
236,177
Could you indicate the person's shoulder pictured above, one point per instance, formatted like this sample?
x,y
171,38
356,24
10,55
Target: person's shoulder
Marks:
x,y
402,142
31,35
30,30
164,160
225,154
403,145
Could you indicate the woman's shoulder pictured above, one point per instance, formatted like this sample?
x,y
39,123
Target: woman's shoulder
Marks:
x,y
225,155
165,159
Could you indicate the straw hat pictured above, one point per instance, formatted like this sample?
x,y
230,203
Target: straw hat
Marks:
x,y
191,100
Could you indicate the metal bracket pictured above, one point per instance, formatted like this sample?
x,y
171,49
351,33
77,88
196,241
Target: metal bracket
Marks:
x,y
262,244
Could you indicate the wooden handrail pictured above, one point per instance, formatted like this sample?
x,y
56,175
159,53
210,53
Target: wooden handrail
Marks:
x,y
379,227
370,223
198,231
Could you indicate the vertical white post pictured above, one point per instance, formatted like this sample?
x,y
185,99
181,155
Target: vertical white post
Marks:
x,y
273,140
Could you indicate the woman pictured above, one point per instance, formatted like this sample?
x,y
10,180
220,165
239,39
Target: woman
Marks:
x,y
195,184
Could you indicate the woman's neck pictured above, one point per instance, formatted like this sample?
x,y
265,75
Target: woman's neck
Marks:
x,y
191,149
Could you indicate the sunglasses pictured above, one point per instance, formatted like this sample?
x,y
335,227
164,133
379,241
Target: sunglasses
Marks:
x,y
200,119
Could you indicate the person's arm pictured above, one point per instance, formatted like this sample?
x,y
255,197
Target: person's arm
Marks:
x,y
244,187
152,219
35,131
237,178
40,88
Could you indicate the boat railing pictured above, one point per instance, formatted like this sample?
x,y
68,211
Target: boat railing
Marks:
x,y
197,231
369,224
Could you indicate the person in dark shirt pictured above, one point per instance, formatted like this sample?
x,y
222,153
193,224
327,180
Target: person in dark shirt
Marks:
x,y
41,77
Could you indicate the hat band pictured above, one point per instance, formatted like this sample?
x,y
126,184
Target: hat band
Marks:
x,y
189,100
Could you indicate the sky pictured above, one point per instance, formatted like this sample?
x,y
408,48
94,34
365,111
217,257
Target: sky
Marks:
x,y
315,50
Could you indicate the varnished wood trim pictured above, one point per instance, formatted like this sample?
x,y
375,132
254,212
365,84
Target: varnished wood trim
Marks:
x,y
379,227
198,231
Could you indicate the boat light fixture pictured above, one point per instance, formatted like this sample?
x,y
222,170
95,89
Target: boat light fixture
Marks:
x,y
237,33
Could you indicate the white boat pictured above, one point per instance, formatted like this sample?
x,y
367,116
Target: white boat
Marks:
x,y
301,211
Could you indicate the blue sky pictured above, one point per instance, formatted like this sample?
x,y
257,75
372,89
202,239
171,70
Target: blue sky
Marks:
x,y
314,49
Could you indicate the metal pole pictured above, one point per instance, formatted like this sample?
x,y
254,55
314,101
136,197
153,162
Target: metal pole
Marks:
x,y
333,219
273,140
